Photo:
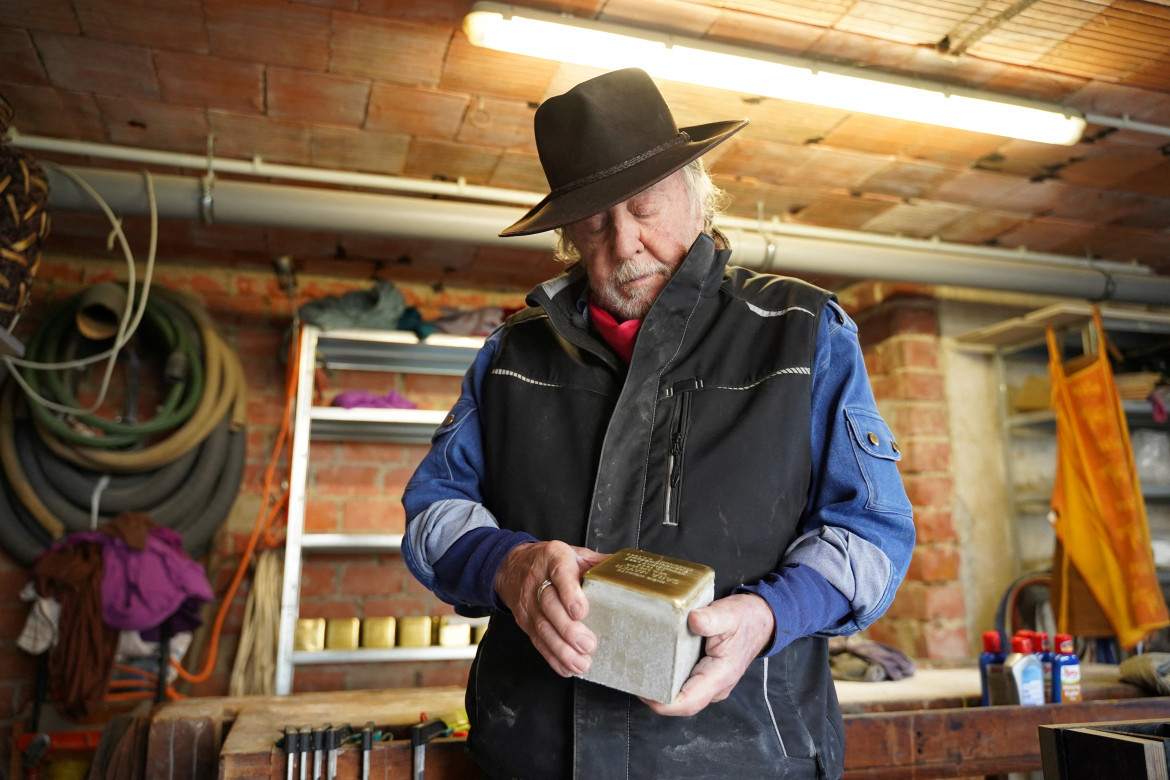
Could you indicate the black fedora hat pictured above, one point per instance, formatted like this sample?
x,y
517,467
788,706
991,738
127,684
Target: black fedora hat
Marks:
x,y
606,140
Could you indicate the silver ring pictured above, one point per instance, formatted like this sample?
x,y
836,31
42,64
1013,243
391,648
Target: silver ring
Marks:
x,y
540,588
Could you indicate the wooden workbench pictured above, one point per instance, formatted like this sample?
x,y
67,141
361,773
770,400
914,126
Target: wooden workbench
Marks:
x,y
927,726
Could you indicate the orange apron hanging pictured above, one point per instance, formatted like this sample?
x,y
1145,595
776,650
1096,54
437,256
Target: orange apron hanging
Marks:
x,y
1099,513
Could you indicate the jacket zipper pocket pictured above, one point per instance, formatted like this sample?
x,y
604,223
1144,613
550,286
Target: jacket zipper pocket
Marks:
x,y
674,464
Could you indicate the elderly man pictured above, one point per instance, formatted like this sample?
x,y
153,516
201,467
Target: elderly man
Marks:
x,y
654,397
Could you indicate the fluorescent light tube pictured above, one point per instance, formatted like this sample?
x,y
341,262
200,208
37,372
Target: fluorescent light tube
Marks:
x,y
754,72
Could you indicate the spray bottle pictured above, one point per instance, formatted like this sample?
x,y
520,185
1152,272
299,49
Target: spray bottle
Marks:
x,y
991,677
1066,671
1024,673
1043,650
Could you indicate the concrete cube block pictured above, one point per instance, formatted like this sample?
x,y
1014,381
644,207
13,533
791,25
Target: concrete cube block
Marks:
x,y
638,607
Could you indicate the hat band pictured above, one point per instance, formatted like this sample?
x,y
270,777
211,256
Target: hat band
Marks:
x,y
681,138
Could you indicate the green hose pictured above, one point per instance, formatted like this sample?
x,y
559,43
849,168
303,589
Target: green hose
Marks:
x,y
177,407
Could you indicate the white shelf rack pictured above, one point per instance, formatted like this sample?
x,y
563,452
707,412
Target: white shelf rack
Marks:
x,y
356,350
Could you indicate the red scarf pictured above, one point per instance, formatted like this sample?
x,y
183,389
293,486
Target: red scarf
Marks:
x,y
619,335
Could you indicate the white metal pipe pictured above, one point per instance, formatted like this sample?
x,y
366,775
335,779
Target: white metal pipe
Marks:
x,y
461,190
258,167
438,220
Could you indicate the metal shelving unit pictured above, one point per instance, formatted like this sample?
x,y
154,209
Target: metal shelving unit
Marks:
x,y
356,350
1022,338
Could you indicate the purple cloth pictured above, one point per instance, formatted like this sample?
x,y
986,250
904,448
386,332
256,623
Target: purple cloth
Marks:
x,y
140,590
392,400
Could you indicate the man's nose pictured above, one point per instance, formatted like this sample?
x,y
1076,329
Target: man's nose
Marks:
x,y
627,235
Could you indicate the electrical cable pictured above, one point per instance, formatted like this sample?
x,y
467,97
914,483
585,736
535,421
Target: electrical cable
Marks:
x,y
128,323
254,668
263,522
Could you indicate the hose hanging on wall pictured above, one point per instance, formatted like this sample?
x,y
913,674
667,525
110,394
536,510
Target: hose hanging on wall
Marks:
x,y
187,461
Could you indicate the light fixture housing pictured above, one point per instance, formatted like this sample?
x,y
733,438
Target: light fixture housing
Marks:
x,y
756,72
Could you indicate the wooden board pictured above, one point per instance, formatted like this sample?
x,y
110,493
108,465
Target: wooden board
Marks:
x,y
927,726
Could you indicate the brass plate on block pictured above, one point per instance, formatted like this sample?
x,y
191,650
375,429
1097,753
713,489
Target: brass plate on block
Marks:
x,y
310,635
378,632
414,631
342,633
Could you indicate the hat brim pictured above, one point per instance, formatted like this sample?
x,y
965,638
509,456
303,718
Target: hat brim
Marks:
x,y
575,205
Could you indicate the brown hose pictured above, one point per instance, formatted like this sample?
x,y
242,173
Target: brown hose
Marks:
x,y
15,472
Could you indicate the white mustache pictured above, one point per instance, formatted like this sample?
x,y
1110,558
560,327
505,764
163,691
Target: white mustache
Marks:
x,y
630,270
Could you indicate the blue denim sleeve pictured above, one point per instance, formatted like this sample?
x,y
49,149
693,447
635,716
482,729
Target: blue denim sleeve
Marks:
x,y
857,534
453,545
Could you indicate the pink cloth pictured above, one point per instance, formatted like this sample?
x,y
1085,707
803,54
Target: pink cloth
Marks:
x,y
619,335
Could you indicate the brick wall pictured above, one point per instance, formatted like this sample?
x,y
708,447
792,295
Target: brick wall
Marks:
x,y
898,328
352,486
357,486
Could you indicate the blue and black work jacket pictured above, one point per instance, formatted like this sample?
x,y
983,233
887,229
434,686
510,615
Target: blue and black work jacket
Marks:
x,y
699,449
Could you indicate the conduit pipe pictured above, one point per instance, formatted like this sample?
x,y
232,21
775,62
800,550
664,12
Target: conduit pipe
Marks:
x,y
766,245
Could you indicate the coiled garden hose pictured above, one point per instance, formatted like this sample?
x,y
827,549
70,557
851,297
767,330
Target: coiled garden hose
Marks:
x,y
186,481
224,390
58,338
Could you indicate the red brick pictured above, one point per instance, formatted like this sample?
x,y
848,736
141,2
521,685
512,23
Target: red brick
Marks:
x,y
274,31
925,455
329,607
370,580
934,563
102,67
364,677
917,418
394,480
384,453
265,410
884,386
919,385
321,516
374,516
58,113
161,24
387,51
438,13
55,15
317,579
349,480
241,135
934,525
353,149
308,679
912,352
405,607
155,125
429,113
945,641
929,490
438,675
893,319
317,97
18,59
944,601
908,602
199,80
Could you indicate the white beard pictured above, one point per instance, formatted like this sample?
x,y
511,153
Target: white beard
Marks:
x,y
630,304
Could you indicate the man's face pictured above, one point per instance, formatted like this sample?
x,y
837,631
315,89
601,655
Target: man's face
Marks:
x,y
632,249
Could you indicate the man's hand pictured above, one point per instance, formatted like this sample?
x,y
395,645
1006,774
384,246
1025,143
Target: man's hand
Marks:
x,y
551,616
737,628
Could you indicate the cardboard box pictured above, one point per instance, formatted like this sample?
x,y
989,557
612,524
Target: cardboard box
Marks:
x,y
638,607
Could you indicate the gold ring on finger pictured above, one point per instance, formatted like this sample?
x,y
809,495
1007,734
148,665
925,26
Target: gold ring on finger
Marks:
x,y
540,588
